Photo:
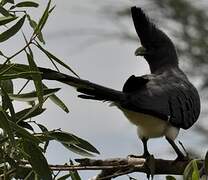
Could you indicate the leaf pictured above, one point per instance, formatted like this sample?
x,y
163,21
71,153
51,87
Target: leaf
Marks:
x,y
206,164
13,30
7,85
63,137
191,171
28,113
23,133
27,4
4,11
37,160
36,78
5,125
188,171
57,101
7,19
52,57
24,75
43,128
77,150
195,174
65,177
43,19
32,96
170,178
8,104
86,145
33,24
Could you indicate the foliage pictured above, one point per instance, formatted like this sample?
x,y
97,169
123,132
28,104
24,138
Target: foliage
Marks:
x,y
23,142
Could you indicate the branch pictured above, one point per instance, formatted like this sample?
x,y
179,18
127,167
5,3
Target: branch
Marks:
x,y
111,168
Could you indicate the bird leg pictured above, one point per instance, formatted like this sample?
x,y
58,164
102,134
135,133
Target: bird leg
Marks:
x,y
181,156
146,152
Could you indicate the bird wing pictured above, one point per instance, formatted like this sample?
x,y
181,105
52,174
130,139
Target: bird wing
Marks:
x,y
172,100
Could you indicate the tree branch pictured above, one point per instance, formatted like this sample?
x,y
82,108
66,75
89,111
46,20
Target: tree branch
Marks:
x,y
111,168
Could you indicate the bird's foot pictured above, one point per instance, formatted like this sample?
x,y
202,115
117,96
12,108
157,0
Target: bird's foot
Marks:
x,y
144,156
182,157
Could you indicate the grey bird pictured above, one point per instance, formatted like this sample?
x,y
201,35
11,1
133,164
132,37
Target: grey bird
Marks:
x,y
160,103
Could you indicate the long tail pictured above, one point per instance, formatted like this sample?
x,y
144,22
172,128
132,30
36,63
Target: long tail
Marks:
x,y
88,89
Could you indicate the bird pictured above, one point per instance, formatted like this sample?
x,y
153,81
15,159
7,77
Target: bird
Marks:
x,y
160,103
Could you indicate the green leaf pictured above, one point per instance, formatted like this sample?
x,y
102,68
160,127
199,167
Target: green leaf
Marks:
x,y
37,160
27,4
65,177
28,113
77,150
52,57
36,78
170,178
57,101
32,111
43,128
12,31
63,137
25,75
7,85
23,133
33,24
195,174
191,171
8,103
32,96
43,19
206,164
5,125
4,11
86,145
5,20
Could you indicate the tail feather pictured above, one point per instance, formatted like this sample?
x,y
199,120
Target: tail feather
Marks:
x,y
88,89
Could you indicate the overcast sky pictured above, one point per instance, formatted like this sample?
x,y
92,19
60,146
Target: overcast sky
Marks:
x,y
108,63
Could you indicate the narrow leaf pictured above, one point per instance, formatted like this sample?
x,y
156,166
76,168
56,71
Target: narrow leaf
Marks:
x,y
43,19
8,104
77,150
65,177
27,113
86,145
33,24
4,11
52,57
23,133
57,101
24,75
27,4
5,125
37,160
12,31
5,20
36,78
32,96
63,137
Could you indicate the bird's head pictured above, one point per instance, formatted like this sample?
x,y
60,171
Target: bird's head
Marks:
x,y
157,48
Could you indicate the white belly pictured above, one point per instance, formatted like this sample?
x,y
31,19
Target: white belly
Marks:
x,y
151,127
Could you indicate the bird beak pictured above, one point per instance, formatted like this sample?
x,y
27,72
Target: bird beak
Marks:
x,y
141,51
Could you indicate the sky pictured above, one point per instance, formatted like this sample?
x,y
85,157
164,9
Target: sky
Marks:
x,y
106,62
